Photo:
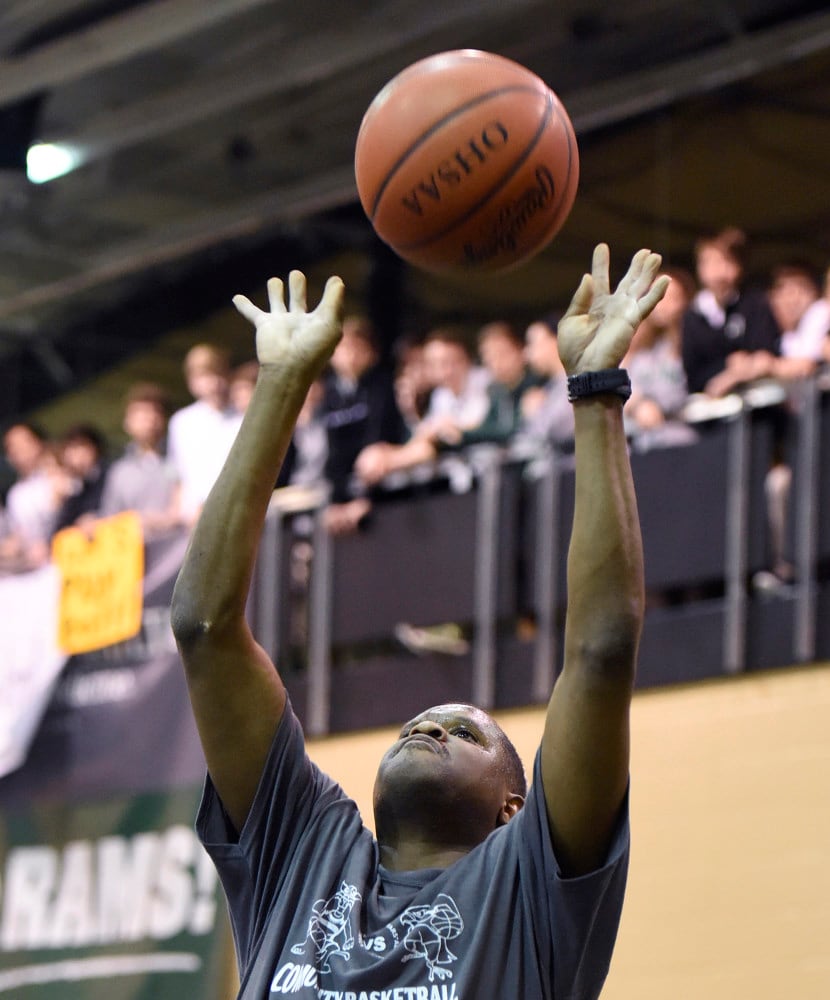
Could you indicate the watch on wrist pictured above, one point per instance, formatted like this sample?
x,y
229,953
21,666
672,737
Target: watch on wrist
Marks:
x,y
605,380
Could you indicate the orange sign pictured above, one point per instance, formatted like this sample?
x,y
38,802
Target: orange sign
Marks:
x,y
102,573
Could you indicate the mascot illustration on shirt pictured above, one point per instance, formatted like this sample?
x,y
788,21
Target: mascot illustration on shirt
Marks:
x,y
329,927
428,929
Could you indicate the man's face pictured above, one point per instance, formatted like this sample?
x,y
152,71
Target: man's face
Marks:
x,y
541,350
447,769
503,358
24,450
447,364
145,422
207,385
669,310
718,272
789,298
353,355
79,457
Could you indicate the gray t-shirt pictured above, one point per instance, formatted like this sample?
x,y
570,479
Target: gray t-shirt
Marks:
x,y
315,915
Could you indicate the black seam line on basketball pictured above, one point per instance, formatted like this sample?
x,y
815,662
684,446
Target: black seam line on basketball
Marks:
x,y
557,216
471,211
460,110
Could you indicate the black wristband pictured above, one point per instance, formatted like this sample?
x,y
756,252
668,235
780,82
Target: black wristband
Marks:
x,y
613,380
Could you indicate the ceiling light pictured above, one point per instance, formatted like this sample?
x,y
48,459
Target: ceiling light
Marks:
x,y
46,160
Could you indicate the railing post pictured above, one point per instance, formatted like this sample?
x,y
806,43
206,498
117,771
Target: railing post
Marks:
x,y
318,708
268,595
734,639
486,581
546,475
805,508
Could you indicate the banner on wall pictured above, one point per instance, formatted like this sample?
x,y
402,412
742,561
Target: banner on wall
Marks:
x,y
104,888
90,596
102,574
30,660
115,898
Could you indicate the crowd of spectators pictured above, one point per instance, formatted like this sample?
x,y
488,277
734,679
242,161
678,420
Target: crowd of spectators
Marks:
x,y
366,420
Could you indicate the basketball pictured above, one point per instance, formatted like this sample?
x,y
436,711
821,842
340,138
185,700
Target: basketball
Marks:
x,y
466,162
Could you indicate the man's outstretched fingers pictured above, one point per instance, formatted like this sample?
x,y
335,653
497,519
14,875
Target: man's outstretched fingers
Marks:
x,y
642,272
582,298
628,282
297,292
332,300
246,308
276,295
600,264
654,294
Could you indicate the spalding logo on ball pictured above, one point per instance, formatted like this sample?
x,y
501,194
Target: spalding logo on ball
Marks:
x,y
466,161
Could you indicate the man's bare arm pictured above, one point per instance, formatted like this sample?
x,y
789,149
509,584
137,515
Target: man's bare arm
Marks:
x,y
585,747
236,693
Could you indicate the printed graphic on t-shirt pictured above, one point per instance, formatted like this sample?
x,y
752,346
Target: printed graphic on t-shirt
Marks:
x,y
424,930
329,927
428,928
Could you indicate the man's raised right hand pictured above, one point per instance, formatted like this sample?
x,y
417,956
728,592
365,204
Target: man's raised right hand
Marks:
x,y
292,337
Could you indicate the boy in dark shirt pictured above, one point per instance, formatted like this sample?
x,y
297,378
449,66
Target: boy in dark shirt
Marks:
x,y
358,409
730,336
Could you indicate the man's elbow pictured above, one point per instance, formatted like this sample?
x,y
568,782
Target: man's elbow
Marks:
x,y
608,651
188,624
192,621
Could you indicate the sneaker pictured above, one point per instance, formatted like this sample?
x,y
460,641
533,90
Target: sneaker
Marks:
x,y
447,639
767,582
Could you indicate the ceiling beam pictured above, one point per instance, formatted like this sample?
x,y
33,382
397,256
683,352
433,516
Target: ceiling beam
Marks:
x,y
302,65
177,242
745,57
592,108
111,41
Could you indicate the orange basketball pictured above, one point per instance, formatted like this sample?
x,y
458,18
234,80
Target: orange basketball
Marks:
x,y
466,161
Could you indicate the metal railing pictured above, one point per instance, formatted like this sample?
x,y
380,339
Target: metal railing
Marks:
x,y
715,487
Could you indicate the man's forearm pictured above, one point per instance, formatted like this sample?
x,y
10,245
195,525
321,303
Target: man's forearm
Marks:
x,y
213,584
605,560
586,745
237,696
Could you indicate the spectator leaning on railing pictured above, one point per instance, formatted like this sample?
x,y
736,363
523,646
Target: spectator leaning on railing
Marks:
x,y
33,500
730,337
459,399
200,434
413,386
501,351
143,479
358,409
655,363
546,411
803,316
82,453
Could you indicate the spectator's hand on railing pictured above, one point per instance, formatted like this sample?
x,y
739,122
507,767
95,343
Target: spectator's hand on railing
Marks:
x,y
596,331
789,369
447,432
292,337
443,428
531,401
373,463
741,369
345,518
645,412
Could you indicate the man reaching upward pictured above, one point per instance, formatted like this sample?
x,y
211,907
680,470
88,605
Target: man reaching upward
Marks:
x,y
474,888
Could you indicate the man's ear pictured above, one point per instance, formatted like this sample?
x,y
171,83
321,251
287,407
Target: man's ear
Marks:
x,y
512,804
